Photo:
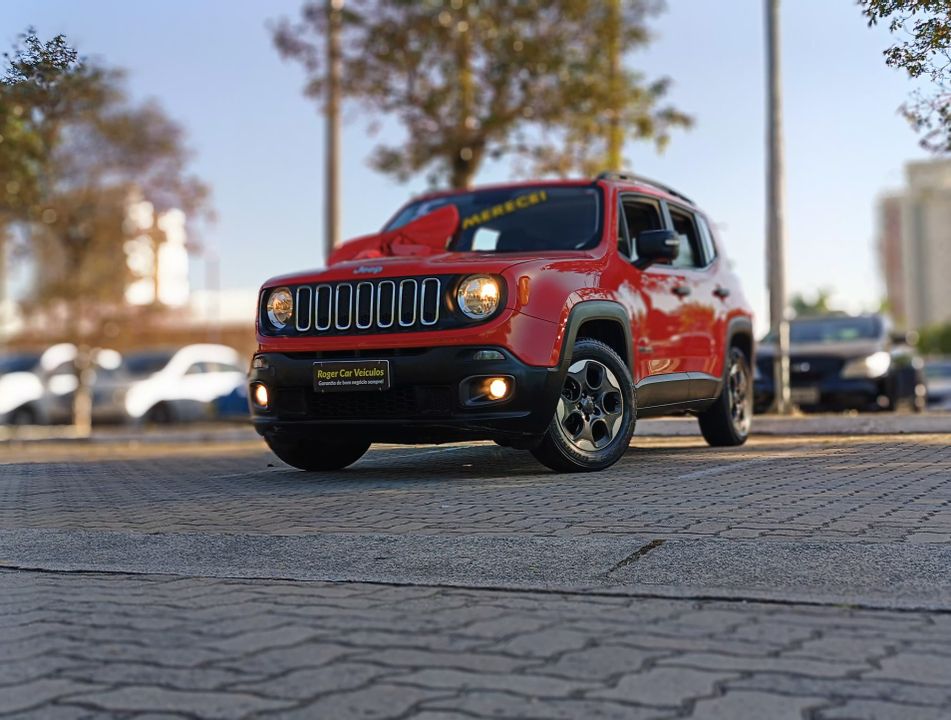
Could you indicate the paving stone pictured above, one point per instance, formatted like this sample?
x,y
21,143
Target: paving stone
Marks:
x,y
739,704
664,686
39,693
137,698
916,668
878,710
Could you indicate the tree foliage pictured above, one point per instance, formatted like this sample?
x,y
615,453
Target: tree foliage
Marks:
x,y
815,306
924,52
77,149
935,340
472,80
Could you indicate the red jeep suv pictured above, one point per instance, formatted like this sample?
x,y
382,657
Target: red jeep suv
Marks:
x,y
547,316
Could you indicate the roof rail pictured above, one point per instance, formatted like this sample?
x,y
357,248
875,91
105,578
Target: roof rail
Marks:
x,y
640,179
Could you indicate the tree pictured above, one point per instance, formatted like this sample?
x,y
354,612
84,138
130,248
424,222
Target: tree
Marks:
x,y
475,80
935,340
925,54
818,305
80,152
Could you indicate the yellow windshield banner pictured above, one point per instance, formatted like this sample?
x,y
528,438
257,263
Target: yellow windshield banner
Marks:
x,y
509,206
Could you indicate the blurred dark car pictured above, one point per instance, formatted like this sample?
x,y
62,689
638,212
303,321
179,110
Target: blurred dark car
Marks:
x,y
844,363
938,379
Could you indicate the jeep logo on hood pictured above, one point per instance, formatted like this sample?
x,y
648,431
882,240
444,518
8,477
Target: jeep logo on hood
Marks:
x,y
368,270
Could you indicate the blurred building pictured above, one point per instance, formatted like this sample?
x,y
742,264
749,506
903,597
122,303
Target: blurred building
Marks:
x,y
914,242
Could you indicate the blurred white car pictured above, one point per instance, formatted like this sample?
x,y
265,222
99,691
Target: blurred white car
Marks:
x,y
37,388
178,385
21,389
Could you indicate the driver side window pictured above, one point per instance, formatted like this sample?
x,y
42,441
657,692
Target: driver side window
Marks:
x,y
640,214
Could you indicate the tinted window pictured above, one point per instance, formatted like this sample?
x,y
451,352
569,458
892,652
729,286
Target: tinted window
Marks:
x,y
18,363
831,330
640,215
146,363
525,219
685,228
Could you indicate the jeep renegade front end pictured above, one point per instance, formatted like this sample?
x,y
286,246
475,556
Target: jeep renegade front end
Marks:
x,y
547,316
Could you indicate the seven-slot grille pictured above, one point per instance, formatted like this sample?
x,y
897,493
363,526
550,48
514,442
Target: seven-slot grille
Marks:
x,y
384,305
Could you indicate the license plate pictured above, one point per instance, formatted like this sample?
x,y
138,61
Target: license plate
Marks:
x,y
804,395
351,375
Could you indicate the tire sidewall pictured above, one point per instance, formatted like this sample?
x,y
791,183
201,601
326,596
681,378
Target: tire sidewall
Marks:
x,y
586,349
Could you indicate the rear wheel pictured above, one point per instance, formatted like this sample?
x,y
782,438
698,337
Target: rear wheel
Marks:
x,y
595,415
727,422
317,455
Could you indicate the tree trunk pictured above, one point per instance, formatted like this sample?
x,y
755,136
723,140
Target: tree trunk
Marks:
x,y
615,132
465,163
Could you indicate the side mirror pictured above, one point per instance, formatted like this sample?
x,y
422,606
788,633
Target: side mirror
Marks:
x,y
656,246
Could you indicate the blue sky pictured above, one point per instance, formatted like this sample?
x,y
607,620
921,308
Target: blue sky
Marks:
x,y
258,141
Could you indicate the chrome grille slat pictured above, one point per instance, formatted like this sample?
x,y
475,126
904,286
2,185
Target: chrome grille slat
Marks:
x,y
379,303
318,325
356,308
388,304
399,312
298,304
337,293
430,283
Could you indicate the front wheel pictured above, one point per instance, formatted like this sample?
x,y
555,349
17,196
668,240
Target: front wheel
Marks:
x,y
595,415
727,422
317,454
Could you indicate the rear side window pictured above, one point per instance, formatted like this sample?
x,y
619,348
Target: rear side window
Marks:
x,y
689,255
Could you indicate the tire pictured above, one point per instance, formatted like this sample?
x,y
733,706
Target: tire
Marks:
x,y
317,455
727,422
594,419
160,414
24,415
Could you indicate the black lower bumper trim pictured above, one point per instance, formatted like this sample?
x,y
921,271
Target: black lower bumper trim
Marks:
x,y
423,403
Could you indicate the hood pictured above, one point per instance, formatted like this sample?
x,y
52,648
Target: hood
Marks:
x,y
851,349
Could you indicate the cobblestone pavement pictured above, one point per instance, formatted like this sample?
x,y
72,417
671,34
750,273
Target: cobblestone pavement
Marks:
x,y
154,635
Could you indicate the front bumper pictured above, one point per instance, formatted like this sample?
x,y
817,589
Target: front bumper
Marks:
x,y
835,394
423,403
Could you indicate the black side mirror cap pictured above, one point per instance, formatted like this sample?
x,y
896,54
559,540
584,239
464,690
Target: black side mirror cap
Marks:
x,y
656,245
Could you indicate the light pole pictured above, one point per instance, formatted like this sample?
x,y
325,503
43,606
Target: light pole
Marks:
x,y
332,179
775,228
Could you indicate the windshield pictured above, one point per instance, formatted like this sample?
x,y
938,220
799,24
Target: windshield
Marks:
x,y
832,330
18,363
523,219
146,363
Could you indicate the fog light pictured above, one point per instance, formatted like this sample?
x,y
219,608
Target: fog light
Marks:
x,y
259,393
498,388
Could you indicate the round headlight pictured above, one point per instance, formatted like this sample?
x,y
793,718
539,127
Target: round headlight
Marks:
x,y
478,296
280,307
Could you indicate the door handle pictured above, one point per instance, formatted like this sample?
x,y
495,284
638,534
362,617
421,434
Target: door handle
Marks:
x,y
682,290
722,292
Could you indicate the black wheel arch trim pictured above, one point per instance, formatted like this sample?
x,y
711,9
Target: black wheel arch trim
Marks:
x,y
588,311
